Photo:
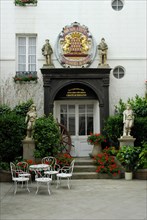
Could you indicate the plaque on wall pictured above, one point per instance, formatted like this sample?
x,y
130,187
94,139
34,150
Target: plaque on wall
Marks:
x,y
75,46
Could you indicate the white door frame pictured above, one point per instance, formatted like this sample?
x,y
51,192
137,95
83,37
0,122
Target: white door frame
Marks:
x,y
81,147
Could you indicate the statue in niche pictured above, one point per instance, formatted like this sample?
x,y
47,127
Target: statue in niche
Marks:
x,y
128,120
47,52
102,50
30,120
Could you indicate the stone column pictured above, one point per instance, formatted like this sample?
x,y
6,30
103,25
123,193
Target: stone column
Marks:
x,y
28,149
126,141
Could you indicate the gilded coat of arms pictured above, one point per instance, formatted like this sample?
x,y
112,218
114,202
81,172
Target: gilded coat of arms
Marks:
x,y
75,46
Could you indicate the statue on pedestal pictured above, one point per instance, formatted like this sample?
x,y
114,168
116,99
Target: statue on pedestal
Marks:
x,y
47,52
128,120
30,120
102,50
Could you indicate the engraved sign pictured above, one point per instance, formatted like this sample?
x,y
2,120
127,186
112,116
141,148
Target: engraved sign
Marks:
x,y
76,92
75,46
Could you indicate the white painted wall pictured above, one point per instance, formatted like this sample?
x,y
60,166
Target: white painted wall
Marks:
x,y
124,32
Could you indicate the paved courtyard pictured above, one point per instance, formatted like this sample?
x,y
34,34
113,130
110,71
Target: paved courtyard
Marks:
x,y
87,199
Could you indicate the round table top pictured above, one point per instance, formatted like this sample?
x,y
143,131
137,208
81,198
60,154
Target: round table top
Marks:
x,y
39,167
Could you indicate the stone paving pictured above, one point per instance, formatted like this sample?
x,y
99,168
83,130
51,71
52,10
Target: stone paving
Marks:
x,y
101,199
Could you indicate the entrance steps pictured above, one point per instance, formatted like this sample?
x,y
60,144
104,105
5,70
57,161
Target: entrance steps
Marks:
x,y
84,168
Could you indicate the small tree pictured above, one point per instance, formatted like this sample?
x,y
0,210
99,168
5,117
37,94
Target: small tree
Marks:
x,y
47,136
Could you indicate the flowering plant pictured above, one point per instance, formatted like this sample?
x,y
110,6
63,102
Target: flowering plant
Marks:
x,y
25,78
24,2
106,164
95,138
64,159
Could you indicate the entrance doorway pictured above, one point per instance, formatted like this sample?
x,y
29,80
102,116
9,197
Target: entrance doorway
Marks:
x,y
81,117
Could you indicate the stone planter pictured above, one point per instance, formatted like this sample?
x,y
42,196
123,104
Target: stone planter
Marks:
x,y
5,176
96,150
141,174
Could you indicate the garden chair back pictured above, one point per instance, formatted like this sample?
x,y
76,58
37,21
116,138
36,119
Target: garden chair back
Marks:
x,y
66,172
16,178
40,178
53,166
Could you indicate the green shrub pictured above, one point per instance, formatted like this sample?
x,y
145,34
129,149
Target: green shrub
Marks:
x,y
12,131
138,104
113,127
47,136
4,109
22,108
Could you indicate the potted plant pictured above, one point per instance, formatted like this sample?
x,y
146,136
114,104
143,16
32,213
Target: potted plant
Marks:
x,y
129,157
96,140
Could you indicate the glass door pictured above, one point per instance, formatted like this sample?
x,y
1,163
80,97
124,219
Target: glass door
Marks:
x,y
80,118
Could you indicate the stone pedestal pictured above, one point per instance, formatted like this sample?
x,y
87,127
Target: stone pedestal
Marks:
x,y
28,149
126,141
47,66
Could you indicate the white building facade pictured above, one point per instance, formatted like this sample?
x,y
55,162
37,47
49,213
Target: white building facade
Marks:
x,y
24,29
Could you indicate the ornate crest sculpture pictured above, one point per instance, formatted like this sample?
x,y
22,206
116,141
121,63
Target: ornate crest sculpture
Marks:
x,y
75,46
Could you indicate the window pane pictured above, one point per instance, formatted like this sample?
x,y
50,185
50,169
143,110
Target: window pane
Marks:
x,y
21,50
21,67
63,119
89,124
32,41
72,125
63,108
22,41
32,50
82,125
89,108
32,67
81,108
22,59
71,109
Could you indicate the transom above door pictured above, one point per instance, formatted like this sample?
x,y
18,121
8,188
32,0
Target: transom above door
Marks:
x,y
80,117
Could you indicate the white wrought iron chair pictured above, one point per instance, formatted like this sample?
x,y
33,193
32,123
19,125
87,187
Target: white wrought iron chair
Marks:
x,y
66,173
41,179
53,166
16,178
23,168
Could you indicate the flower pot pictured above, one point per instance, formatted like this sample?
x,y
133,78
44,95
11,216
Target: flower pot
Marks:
x,y
97,148
128,175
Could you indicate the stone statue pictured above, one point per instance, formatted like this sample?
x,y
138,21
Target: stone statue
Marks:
x,y
128,120
30,120
47,52
102,49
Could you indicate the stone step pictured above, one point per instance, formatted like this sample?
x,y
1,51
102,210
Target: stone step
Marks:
x,y
84,161
84,168
84,175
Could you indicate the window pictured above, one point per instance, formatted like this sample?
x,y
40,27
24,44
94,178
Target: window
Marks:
x,y
117,5
118,72
26,53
